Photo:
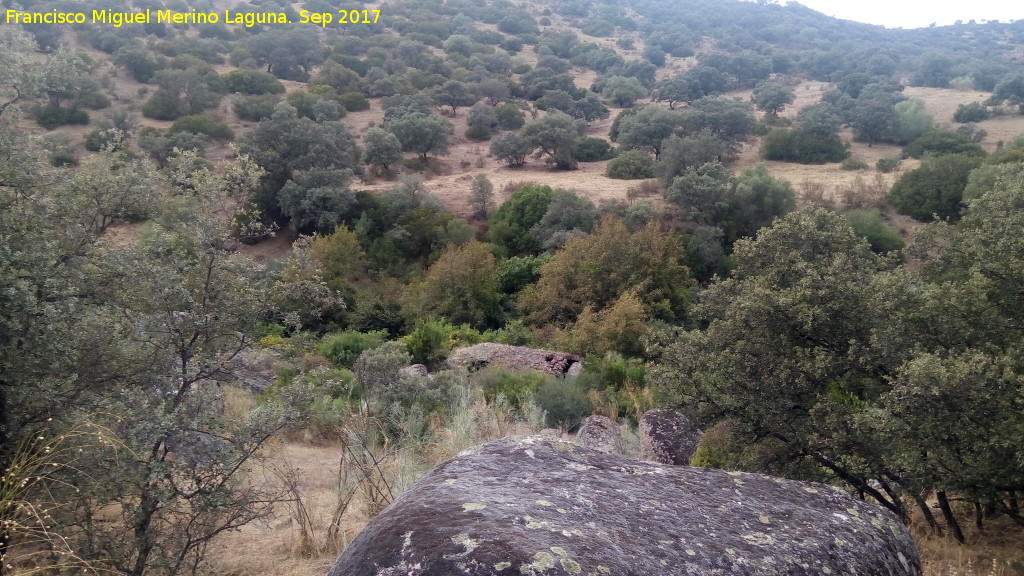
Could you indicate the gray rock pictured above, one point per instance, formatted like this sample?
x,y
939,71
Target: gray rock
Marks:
x,y
667,437
538,506
480,356
255,369
599,433
414,370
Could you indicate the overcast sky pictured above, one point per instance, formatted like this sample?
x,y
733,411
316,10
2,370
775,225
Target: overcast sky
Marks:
x,y
918,13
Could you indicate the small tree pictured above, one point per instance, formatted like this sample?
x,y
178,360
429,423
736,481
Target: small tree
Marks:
x,y
772,97
512,149
381,148
422,133
454,93
623,90
481,197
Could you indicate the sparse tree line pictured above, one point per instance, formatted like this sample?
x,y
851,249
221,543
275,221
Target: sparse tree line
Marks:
x,y
801,340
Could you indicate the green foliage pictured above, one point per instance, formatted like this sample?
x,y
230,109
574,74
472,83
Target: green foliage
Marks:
x,y
772,97
421,133
853,164
460,286
631,165
509,116
758,198
939,142
593,150
597,269
381,148
509,226
202,124
430,341
511,148
556,136
481,196
354,101
935,188
871,225
248,81
623,91
344,348
912,120
254,108
51,117
163,105
888,163
564,401
973,112
94,100
788,145
518,387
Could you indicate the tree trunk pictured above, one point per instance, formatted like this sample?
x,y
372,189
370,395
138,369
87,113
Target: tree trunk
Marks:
x,y
928,516
947,514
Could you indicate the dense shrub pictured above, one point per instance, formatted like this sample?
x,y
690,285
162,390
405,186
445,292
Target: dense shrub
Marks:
x,y
163,105
354,101
591,149
51,117
515,386
202,124
871,225
973,112
564,401
934,188
888,163
254,108
802,147
939,142
478,132
94,100
344,348
509,116
631,165
249,81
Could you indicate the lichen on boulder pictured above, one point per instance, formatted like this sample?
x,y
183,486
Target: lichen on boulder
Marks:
x,y
538,506
667,437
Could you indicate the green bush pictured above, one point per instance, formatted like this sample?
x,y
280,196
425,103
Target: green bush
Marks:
x,y
564,401
802,147
936,187
853,164
344,348
509,116
591,149
631,165
871,225
516,386
888,163
430,341
94,100
202,124
51,117
354,101
254,108
939,142
973,112
249,81
163,105
478,132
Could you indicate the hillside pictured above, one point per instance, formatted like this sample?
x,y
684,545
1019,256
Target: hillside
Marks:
x,y
227,229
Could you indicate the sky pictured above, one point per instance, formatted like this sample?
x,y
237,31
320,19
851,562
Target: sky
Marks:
x,y
918,13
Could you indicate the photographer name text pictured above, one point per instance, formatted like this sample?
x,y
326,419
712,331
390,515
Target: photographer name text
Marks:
x,y
248,19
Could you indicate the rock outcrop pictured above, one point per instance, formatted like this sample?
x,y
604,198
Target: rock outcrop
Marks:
x,y
667,437
480,356
599,433
535,506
